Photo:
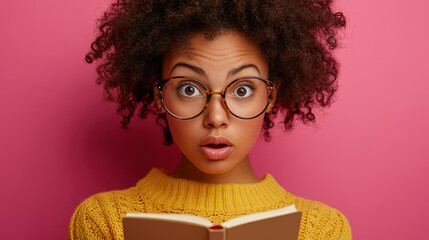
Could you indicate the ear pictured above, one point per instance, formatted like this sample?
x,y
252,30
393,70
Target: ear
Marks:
x,y
273,96
158,100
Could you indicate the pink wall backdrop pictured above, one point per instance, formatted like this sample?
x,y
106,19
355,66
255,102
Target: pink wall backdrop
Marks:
x,y
60,142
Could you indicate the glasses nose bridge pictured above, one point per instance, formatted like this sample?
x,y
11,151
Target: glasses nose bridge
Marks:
x,y
210,93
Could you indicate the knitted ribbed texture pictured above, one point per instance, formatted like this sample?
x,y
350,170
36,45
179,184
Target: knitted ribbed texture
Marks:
x,y
100,216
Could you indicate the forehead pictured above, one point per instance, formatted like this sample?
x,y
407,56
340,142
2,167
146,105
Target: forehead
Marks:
x,y
230,49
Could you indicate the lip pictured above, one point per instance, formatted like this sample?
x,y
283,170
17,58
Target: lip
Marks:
x,y
215,153
215,140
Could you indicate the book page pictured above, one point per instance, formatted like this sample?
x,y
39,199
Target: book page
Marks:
x,y
259,216
173,217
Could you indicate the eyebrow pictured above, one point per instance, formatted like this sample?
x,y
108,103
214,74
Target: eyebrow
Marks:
x,y
202,73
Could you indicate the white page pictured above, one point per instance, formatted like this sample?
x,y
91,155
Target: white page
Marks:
x,y
259,216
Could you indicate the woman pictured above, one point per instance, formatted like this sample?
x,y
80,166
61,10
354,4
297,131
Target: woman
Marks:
x,y
215,73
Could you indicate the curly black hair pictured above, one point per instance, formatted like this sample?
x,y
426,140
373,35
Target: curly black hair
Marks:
x,y
296,36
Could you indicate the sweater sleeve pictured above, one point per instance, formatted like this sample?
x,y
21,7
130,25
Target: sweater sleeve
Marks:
x,y
88,221
320,221
341,226
332,224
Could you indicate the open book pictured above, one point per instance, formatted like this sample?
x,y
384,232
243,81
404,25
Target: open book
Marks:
x,y
282,223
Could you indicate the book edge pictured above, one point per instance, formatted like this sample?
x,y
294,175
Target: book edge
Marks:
x,y
259,216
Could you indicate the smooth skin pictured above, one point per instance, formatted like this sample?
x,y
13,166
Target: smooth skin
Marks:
x,y
216,63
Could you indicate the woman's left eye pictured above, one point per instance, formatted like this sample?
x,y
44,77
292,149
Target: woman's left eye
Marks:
x,y
243,91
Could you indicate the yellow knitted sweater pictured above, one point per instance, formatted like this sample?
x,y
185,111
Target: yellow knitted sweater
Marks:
x,y
100,216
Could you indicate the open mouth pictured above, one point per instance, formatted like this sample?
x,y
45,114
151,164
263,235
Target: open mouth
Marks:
x,y
216,147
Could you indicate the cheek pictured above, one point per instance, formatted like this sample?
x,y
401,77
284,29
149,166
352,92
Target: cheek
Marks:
x,y
246,132
184,132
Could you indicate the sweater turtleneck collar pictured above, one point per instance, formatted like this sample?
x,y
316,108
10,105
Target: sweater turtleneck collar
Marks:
x,y
178,193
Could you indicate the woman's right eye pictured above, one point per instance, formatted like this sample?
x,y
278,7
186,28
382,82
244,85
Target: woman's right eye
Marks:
x,y
189,90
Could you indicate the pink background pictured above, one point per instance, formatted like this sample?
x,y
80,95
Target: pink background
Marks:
x,y
60,142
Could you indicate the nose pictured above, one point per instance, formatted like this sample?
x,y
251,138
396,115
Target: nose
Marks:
x,y
216,113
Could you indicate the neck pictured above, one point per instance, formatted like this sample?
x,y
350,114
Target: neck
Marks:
x,y
241,173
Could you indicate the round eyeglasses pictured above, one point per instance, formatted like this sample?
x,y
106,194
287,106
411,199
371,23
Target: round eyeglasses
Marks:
x,y
186,97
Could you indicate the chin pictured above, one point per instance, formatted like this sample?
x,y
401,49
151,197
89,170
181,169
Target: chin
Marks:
x,y
215,167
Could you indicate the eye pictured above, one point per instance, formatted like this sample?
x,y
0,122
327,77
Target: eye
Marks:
x,y
189,90
243,91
